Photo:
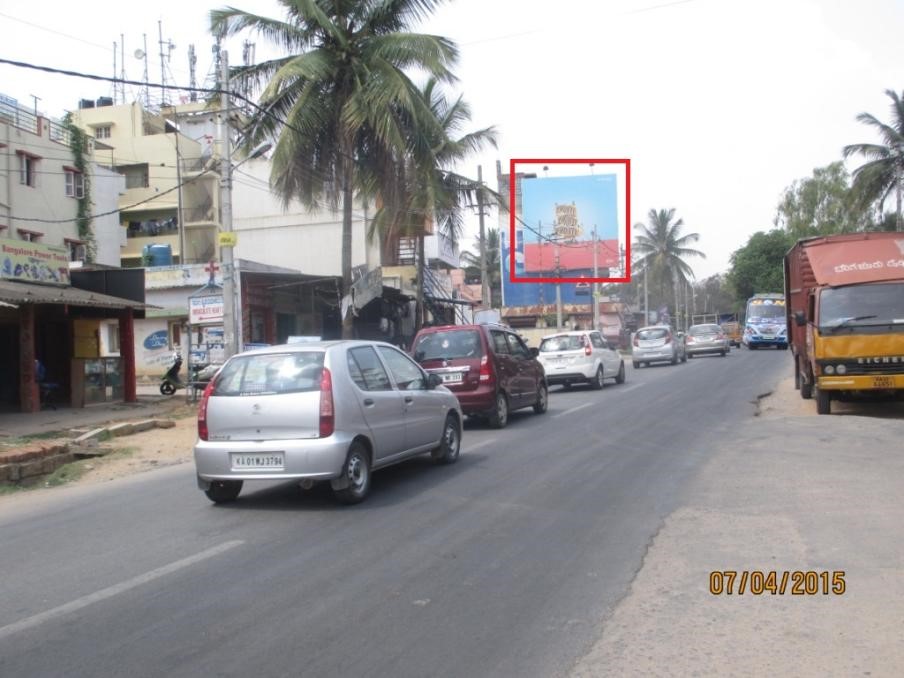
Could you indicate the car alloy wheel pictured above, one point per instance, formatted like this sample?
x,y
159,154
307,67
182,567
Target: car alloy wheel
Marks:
x,y
542,399
499,415
599,379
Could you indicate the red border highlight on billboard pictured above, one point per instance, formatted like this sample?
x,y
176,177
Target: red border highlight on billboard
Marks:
x,y
569,161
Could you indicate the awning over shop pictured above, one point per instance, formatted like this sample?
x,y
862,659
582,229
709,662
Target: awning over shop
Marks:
x,y
17,293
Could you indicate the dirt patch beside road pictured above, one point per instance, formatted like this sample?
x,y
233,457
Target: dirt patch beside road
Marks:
x,y
155,448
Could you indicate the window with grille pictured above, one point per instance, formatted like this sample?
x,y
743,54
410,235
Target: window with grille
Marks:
x,y
75,184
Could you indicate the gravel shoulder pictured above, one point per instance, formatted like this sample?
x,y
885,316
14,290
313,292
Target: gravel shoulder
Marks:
x,y
789,491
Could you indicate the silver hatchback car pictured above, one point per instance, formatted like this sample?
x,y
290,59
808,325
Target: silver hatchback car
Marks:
x,y
657,343
321,411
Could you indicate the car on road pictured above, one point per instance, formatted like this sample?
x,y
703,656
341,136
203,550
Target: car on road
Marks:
x,y
580,357
658,343
487,366
322,411
707,338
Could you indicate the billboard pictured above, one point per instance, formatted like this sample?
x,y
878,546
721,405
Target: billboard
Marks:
x,y
554,224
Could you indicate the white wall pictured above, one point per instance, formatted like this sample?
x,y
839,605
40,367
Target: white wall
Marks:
x,y
109,236
294,238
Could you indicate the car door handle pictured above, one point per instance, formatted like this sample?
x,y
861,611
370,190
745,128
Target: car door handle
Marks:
x,y
368,402
409,399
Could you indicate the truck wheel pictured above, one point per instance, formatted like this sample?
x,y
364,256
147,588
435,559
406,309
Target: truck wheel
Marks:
x,y
823,401
806,387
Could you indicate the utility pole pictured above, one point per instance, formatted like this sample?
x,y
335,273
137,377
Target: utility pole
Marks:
x,y
230,308
646,297
484,279
595,290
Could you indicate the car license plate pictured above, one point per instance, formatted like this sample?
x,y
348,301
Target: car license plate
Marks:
x,y
768,336
883,382
452,377
257,462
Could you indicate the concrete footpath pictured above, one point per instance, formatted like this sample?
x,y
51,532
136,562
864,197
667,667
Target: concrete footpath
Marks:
x,y
786,493
150,405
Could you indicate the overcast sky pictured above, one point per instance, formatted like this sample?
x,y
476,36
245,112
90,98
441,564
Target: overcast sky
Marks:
x,y
719,104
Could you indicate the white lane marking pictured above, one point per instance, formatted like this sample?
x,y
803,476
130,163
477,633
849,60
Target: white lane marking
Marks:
x,y
574,409
103,594
482,443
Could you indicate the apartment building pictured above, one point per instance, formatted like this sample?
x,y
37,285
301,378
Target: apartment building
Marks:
x,y
61,303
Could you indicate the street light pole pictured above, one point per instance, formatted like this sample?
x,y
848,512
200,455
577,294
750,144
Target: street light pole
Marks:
x,y
231,343
484,278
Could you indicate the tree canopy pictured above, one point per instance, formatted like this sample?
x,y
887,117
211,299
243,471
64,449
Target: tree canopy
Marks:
x,y
757,266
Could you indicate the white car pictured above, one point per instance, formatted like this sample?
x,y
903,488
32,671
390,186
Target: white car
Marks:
x,y
583,356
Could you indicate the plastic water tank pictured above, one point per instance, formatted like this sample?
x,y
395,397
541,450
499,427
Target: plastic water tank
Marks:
x,y
157,255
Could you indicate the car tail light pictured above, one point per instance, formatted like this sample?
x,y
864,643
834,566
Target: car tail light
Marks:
x,y
486,370
690,340
588,350
327,413
203,433
636,341
668,338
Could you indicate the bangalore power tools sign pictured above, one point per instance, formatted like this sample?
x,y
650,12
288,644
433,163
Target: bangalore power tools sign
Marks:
x,y
33,262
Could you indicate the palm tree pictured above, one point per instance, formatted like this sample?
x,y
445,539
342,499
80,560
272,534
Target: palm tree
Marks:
x,y
333,102
433,191
662,248
882,172
471,264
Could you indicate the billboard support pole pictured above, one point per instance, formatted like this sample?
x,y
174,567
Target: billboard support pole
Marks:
x,y
595,295
558,292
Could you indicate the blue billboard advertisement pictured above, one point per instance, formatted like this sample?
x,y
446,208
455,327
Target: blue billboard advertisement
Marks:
x,y
554,237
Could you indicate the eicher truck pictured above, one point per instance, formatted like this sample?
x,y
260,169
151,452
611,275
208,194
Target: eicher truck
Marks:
x,y
844,296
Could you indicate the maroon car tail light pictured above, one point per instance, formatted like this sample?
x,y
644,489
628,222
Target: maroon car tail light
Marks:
x,y
587,348
327,412
486,370
203,433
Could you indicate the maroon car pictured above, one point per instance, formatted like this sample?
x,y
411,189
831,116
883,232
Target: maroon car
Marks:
x,y
487,366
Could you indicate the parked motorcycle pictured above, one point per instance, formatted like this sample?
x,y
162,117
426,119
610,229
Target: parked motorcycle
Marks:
x,y
170,381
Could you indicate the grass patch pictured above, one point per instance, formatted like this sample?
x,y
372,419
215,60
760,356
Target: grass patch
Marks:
x,y
66,473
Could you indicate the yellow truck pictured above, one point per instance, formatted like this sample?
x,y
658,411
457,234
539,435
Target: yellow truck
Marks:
x,y
844,299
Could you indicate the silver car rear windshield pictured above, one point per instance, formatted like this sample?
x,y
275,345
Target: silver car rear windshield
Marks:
x,y
271,374
448,345
568,342
655,333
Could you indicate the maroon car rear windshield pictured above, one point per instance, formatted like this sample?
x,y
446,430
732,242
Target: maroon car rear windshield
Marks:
x,y
448,345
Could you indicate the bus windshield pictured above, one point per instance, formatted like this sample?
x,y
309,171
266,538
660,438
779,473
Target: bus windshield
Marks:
x,y
766,310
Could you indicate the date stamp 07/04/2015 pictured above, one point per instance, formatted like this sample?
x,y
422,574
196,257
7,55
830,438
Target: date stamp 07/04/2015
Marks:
x,y
774,582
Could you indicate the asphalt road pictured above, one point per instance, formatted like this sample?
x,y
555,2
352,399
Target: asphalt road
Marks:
x,y
505,564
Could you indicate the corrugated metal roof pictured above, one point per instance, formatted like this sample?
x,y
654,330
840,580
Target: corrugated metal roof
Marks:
x,y
14,292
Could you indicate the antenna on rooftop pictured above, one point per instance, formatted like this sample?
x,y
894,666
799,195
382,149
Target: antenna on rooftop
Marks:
x,y
193,82
166,50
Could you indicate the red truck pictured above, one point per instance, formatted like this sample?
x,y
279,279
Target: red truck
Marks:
x,y
844,300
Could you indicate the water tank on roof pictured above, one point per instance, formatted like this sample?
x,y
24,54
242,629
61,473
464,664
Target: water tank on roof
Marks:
x,y
104,101
85,103
157,255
